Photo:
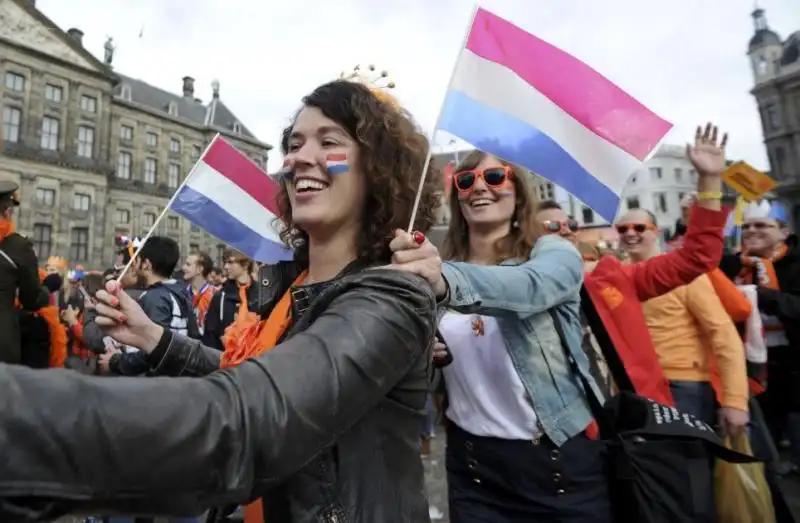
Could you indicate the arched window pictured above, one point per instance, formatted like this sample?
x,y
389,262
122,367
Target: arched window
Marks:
x,y
237,127
173,109
126,92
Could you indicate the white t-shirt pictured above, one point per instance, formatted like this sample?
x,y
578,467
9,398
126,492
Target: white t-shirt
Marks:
x,y
486,396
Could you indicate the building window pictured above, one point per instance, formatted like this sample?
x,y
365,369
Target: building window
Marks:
x,y
220,254
151,140
174,174
172,110
126,132
79,244
53,93
81,202
124,166
237,127
588,216
632,202
150,168
174,145
692,176
123,216
660,202
148,219
49,138
773,117
89,104
546,191
780,162
196,151
678,175
125,94
172,222
194,248
655,173
194,228
45,197
42,240
12,120
15,82
85,141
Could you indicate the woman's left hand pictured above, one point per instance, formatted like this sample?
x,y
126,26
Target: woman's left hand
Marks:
x,y
418,257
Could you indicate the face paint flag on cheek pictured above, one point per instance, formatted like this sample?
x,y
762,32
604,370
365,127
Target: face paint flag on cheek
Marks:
x,y
337,164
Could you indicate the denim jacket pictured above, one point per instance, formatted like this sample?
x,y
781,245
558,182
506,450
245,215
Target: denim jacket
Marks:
x,y
520,296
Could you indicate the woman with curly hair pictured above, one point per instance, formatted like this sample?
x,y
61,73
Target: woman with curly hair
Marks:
x,y
318,415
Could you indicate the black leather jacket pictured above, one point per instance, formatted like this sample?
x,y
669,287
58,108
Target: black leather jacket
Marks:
x,y
325,427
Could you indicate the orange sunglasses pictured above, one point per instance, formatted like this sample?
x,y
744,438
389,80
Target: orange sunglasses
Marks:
x,y
493,177
639,228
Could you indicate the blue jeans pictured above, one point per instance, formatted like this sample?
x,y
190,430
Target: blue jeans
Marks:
x,y
695,398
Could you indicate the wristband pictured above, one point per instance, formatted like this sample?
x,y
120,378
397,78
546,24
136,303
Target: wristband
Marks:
x,y
709,196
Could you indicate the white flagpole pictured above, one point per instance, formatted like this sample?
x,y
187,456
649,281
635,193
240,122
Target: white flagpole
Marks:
x,y
436,124
166,208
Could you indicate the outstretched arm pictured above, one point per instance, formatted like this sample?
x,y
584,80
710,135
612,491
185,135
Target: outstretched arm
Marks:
x,y
217,440
552,275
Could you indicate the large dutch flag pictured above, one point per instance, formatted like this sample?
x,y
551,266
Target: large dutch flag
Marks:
x,y
521,99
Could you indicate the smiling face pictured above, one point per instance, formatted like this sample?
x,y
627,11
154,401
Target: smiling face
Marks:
x,y
760,236
638,236
486,194
326,188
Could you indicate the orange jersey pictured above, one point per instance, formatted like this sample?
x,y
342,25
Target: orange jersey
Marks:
x,y
201,301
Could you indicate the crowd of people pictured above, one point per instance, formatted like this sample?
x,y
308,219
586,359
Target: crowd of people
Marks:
x,y
300,390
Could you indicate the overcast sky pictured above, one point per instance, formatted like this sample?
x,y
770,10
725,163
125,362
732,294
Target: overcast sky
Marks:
x,y
685,59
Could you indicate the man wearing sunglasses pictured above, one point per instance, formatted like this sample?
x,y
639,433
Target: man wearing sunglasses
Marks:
x,y
689,327
770,260
554,220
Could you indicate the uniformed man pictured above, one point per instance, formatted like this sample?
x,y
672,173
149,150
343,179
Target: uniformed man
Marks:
x,y
19,277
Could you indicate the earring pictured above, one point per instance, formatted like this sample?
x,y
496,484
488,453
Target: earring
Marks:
x,y
515,224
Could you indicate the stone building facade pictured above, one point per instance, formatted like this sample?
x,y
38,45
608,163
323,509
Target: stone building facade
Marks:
x,y
97,153
775,64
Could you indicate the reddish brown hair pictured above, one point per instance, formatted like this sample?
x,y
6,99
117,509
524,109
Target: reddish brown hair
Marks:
x,y
520,239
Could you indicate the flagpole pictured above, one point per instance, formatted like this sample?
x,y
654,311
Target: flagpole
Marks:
x,y
166,208
436,124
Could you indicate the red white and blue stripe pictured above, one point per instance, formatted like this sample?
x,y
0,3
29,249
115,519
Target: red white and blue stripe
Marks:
x,y
527,102
232,198
337,164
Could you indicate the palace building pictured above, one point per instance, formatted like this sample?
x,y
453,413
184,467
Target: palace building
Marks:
x,y
97,153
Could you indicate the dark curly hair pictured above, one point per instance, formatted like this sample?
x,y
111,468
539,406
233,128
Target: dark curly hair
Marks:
x,y
392,152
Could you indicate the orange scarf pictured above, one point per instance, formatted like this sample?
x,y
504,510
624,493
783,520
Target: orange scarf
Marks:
x,y
249,337
6,228
762,268
58,333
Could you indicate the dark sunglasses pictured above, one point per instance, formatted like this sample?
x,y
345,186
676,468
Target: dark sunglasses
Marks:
x,y
759,226
554,226
639,228
494,177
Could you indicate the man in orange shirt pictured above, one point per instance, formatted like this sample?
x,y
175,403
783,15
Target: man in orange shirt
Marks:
x,y
689,326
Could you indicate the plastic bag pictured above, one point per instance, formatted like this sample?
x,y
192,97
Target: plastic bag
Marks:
x,y
741,490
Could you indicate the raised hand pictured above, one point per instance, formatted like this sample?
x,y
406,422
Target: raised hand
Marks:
x,y
708,156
